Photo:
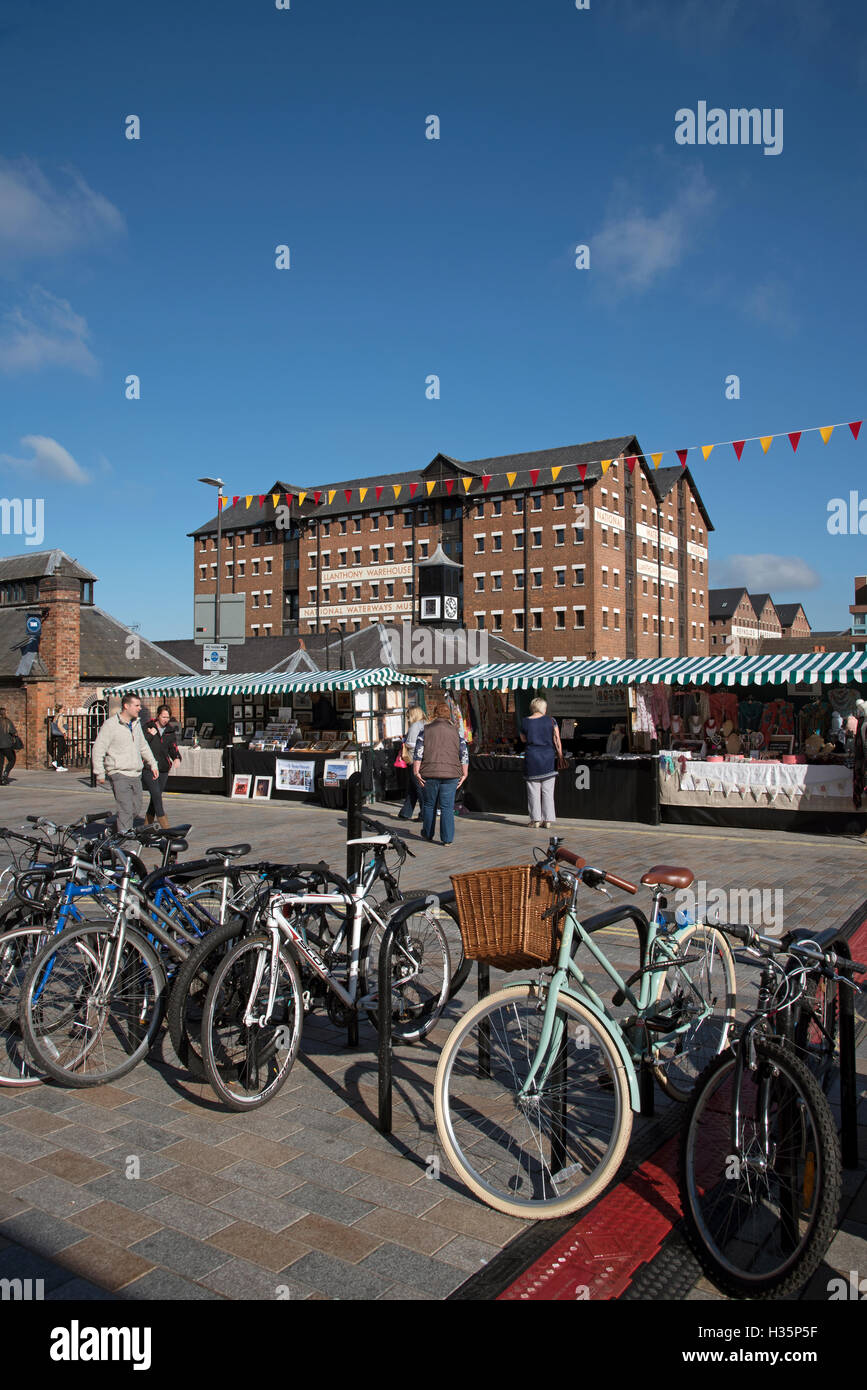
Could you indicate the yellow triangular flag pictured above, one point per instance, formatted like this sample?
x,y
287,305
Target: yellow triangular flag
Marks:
x,y
301,497
657,459
249,500
826,431
362,493
707,450
430,487
467,482
766,441
396,487
510,478
555,473
275,498
606,464
331,495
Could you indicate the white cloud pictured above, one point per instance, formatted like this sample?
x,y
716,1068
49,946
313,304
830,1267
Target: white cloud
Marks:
x,y
634,249
770,303
38,218
763,574
45,333
48,460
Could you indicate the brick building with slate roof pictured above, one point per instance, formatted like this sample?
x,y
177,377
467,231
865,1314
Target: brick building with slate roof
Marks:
x,y
80,649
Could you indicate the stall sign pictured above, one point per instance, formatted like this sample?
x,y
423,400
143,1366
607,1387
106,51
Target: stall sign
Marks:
x,y
588,702
294,776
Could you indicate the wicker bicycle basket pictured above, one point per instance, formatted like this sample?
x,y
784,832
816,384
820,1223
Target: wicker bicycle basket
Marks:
x,y
502,916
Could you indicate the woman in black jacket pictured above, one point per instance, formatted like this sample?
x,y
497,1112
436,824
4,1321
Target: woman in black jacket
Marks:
x,y
164,748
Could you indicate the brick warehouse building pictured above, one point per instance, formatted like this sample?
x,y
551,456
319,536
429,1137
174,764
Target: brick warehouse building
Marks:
x,y
630,581
80,649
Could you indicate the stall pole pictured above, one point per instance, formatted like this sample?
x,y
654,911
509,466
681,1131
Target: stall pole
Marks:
x,y
354,829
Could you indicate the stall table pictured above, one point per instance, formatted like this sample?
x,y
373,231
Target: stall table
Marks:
x,y
758,794
617,788
201,770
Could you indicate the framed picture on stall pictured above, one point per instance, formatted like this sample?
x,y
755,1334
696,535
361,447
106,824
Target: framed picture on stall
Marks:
x,y
239,728
262,788
248,711
206,731
241,784
237,711
343,701
189,733
779,744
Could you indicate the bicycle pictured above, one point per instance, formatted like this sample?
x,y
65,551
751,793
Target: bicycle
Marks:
x,y
760,1169
536,1085
256,1000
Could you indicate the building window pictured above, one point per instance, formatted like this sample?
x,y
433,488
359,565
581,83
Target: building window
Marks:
x,y
311,560
326,559
577,576
423,549
480,620
644,622
480,544
389,521
374,589
480,510
374,521
604,533
356,555
604,577
617,619
497,506
560,619
311,595
519,504
268,564
389,554
497,622
497,580
519,579
255,540
537,579
326,594
254,630
213,571
342,556
577,535
241,564
341,593
255,598
343,526
560,579
407,588
537,618
356,592
559,500
579,616
559,535
266,630
604,619
497,540
518,616
267,597
389,588
644,586
616,579
407,550
255,567
537,502
374,554
480,583
518,543
203,571
536,540
326,528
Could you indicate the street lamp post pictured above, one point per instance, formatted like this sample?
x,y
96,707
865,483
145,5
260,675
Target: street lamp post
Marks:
x,y
217,483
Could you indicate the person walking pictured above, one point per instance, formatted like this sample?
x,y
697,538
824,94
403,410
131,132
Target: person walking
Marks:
x,y
9,743
57,740
440,766
119,750
415,724
160,737
544,750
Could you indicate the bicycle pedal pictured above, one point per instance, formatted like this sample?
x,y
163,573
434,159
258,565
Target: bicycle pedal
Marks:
x,y
661,1023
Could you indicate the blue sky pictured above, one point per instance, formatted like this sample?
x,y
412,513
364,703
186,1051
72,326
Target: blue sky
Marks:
x,y
412,256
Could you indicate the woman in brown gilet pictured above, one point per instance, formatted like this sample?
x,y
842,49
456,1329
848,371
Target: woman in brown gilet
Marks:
x,y
440,767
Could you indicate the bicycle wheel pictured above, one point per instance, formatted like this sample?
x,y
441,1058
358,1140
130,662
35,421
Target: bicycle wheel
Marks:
x,y
18,949
761,1219
553,1151
76,1028
247,1063
188,991
816,1026
684,994
420,967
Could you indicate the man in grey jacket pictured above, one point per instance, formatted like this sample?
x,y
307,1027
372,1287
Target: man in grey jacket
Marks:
x,y
118,753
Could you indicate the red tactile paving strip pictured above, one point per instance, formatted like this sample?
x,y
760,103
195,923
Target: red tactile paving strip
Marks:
x,y
599,1256
858,943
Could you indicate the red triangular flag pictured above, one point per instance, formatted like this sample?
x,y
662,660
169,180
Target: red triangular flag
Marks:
x,y
413,489
486,478
582,469
378,491
347,493
738,446
681,454
450,482
795,439
316,497
855,426
631,462
534,476
261,499
289,499
234,501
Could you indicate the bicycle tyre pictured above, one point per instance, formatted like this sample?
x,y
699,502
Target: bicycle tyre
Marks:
x,y
234,1053
492,1164
418,995
19,947
187,994
714,974
119,1031
732,1233
816,1021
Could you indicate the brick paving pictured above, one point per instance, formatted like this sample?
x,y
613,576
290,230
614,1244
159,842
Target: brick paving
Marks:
x,y
304,1198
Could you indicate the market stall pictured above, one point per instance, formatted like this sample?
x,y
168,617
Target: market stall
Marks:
x,y
730,741
285,737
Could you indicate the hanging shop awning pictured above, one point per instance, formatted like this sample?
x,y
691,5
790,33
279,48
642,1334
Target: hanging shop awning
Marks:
x,y
266,683
827,668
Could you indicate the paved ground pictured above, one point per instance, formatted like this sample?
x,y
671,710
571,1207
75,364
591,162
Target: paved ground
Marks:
x,y
304,1198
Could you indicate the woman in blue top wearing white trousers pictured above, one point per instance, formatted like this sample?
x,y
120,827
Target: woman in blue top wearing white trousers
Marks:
x,y
542,737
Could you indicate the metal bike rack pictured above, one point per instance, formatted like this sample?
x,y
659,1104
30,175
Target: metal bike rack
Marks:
x,y
354,830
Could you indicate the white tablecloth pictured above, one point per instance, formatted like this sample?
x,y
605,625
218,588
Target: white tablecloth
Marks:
x,y
784,785
199,762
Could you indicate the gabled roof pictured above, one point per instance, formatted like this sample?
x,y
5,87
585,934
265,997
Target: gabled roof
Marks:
x,y
788,612
37,564
760,601
105,644
662,480
722,603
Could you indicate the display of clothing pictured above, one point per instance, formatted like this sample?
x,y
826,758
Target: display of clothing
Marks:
x,y
644,711
750,715
815,718
723,706
778,718
842,698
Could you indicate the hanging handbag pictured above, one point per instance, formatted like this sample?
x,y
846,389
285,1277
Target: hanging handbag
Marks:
x,y
17,743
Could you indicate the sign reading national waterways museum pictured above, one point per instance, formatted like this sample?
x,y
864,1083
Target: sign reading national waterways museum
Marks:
x,y
356,610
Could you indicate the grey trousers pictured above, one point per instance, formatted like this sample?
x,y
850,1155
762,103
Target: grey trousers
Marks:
x,y
127,794
540,798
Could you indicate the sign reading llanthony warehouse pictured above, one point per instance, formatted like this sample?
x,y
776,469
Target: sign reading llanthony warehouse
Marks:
x,y
355,573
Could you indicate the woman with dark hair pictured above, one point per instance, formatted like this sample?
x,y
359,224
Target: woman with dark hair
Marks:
x,y
161,738
9,740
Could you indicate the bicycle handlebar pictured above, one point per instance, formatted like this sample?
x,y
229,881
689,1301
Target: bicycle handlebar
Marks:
x,y
589,874
810,950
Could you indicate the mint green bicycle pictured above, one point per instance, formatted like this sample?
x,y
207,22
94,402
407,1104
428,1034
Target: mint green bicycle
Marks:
x,y
537,1084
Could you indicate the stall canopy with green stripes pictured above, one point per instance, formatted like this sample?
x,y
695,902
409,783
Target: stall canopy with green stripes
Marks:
x,y
266,683
827,668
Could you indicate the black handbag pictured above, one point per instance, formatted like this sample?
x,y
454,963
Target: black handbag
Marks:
x,y
17,743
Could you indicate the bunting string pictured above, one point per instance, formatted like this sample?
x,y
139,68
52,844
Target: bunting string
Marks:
x,y
393,492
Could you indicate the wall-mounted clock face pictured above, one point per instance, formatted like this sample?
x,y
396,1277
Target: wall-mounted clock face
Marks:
x,y
450,607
